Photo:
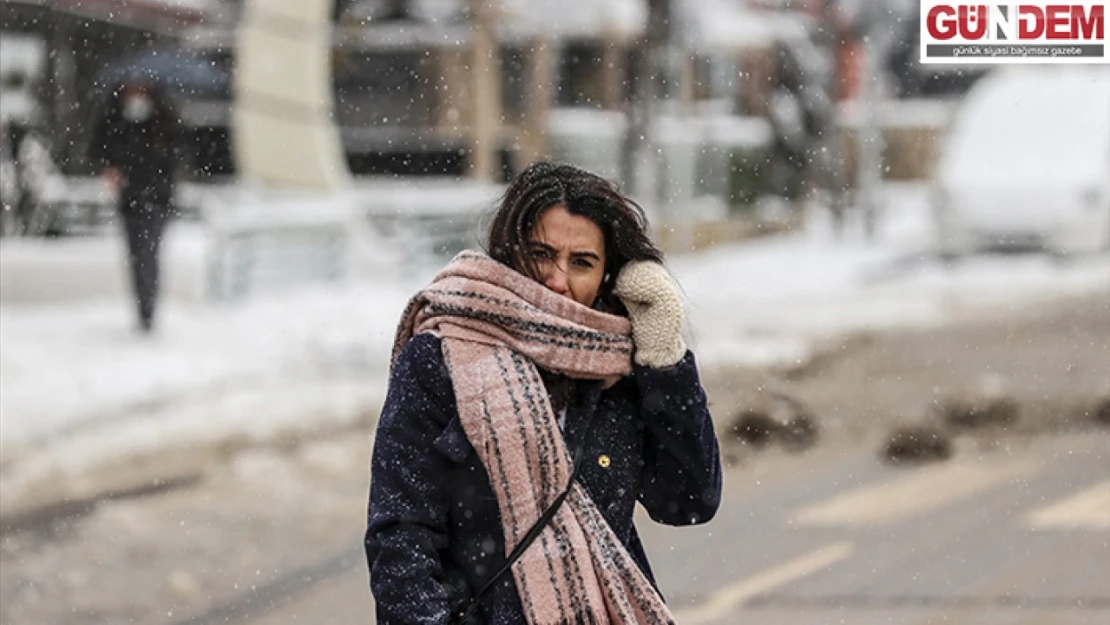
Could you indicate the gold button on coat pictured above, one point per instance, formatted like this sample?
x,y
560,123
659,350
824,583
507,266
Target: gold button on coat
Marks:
x,y
604,461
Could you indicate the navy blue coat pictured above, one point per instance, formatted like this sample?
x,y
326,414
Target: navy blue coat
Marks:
x,y
434,530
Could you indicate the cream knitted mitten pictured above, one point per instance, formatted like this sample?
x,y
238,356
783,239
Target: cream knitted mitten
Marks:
x,y
655,310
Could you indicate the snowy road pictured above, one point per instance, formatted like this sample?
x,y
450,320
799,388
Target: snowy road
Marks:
x,y
1012,530
842,539
1014,536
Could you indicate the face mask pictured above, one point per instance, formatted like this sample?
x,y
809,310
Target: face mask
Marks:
x,y
137,108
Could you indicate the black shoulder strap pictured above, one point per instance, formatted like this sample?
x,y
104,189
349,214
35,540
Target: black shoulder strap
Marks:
x,y
463,615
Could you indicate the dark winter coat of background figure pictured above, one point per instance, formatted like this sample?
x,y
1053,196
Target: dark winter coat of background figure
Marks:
x,y
146,153
434,531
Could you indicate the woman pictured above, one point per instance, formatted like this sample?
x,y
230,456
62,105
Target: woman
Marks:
x,y
563,344
134,143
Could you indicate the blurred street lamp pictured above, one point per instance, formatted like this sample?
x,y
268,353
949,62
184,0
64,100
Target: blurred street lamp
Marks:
x,y
875,29
282,121
641,159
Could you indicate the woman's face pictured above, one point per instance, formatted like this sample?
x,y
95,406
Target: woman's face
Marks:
x,y
569,254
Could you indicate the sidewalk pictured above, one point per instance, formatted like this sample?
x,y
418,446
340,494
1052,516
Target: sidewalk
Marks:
x,y
36,271
82,392
86,404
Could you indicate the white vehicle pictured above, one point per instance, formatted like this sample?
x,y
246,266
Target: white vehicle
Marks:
x,y
1027,163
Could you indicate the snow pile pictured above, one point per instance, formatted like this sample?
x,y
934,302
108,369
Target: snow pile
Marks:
x,y
81,390
1062,113
775,302
67,367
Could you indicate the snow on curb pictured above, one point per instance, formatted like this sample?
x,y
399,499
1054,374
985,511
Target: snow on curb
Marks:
x,y
178,439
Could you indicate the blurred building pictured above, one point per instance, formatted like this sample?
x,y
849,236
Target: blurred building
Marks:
x,y
411,96
407,88
74,40
408,97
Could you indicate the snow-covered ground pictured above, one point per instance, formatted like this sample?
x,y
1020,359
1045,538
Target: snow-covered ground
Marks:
x,y
78,387
775,301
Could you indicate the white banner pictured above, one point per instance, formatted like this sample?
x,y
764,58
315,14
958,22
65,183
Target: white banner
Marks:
x,y
1007,33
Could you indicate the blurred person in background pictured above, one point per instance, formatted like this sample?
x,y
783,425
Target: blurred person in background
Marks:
x,y
31,180
134,145
538,392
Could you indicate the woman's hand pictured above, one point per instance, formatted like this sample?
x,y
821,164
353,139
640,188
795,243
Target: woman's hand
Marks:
x,y
655,310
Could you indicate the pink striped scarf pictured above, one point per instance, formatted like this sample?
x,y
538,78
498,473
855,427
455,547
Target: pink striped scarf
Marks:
x,y
497,326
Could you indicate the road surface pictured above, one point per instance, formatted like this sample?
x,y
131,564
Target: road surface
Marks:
x,y
1013,529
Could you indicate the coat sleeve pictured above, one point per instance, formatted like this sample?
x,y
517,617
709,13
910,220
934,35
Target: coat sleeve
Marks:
x,y
681,479
407,515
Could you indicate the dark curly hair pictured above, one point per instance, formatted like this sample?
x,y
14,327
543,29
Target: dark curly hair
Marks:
x,y
545,184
